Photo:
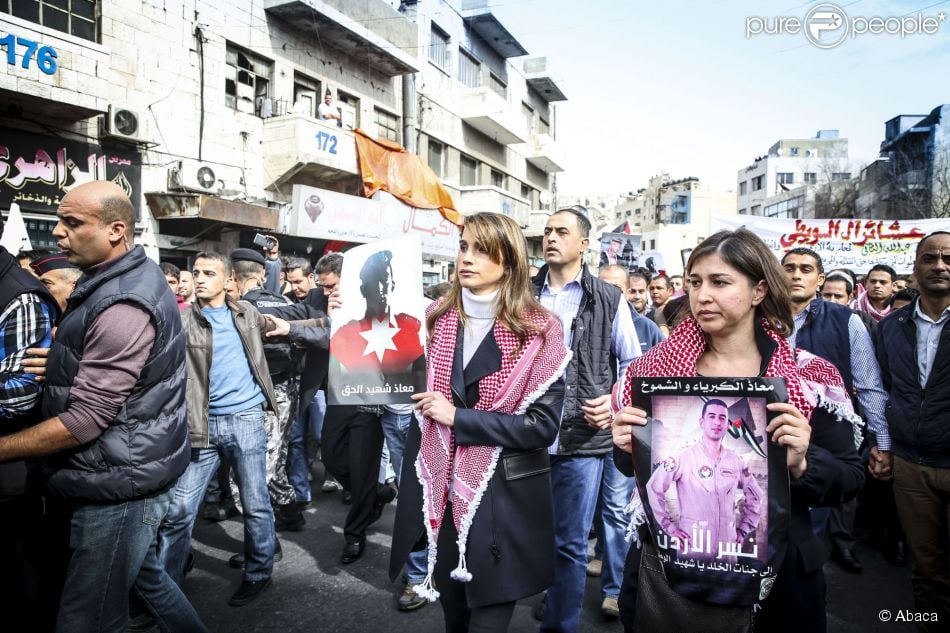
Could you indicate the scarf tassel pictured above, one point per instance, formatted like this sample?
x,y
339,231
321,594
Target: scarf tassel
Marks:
x,y
461,572
427,589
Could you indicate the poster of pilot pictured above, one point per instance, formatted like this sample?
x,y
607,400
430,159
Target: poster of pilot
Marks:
x,y
378,334
714,487
620,249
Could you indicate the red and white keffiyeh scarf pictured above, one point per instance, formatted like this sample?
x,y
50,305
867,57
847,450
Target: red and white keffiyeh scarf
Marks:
x,y
811,381
524,376
863,303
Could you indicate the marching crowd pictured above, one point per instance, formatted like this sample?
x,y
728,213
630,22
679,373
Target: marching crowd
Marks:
x,y
136,398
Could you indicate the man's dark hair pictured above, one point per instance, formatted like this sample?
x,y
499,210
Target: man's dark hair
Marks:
x,y
376,267
583,224
907,294
330,263
298,263
885,269
170,270
638,275
714,402
801,250
218,257
666,280
927,237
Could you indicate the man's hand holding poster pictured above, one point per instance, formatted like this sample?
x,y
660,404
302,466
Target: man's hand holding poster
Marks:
x,y
378,331
715,489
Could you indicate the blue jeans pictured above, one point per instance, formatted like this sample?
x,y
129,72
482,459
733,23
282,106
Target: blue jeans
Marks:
x,y
311,420
240,440
611,526
114,552
575,483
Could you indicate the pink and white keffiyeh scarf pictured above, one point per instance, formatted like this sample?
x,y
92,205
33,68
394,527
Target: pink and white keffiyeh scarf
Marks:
x,y
863,303
811,381
524,376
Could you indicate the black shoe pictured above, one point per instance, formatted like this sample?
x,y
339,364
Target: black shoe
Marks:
x,y
318,474
897,556
248,591
538,611
289,518
385,494
352,552
847,561
347,498
237,561
409,600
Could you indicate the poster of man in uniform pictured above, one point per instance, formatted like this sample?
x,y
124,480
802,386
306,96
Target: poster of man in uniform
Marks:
x,y
620,249
706,482
377,336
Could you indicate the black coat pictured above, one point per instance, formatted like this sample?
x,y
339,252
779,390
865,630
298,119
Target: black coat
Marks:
x,y
510,550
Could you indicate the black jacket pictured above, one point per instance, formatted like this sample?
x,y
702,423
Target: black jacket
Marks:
x,y
918,418
146,447
314,339
511,542
593,367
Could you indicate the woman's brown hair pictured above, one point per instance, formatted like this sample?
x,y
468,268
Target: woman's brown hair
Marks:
x,y
501,238
746,252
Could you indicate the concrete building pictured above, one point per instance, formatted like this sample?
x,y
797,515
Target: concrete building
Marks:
x,y
911,178
672,215
485,115
789,165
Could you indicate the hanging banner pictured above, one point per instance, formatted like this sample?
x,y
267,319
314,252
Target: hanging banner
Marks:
x,y
36,171
378,334
714,487
620,249
329,215
853,244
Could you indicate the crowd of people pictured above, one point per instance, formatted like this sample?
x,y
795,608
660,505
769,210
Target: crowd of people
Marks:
x,y
137,397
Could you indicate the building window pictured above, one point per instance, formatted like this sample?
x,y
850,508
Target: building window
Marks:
x,y
387,125
742,187
468,171
786,209
794,151
498,85
306,95
785,178
757,183
526,192
246,81
841,175
438,47
436,156
742,211
470,70
543,126
811,178
756,210
76,17
497,179
349,109
528,113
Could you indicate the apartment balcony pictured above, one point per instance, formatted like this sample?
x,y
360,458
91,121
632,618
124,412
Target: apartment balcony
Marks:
x,y
538,76
479,18
299,149
492,115
543,152
489,198
370,31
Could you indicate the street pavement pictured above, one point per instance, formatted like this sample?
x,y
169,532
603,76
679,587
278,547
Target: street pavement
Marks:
x,y
312,592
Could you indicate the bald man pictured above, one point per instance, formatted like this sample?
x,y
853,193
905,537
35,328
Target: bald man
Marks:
x,y
115,435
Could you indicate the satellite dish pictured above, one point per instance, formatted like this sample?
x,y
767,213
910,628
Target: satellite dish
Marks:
x,y
545,197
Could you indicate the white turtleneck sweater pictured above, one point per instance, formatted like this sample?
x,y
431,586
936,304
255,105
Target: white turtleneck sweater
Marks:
x,y
480,311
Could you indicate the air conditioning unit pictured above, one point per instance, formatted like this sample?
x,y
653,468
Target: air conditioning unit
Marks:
x,y
192,175
124,124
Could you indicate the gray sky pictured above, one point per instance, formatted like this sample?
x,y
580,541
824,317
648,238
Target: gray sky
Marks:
x,y
676,86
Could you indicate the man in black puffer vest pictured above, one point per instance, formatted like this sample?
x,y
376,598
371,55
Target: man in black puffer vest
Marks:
x,y
603,340
115,435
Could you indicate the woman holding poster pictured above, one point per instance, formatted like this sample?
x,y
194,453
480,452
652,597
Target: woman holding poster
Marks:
x,y
740,318
477,485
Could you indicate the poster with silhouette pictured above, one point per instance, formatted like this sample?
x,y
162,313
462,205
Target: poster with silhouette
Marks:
x,y
377,336
620,249
713,485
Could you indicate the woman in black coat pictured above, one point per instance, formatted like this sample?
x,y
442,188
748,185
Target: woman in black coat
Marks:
x,y
476,483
